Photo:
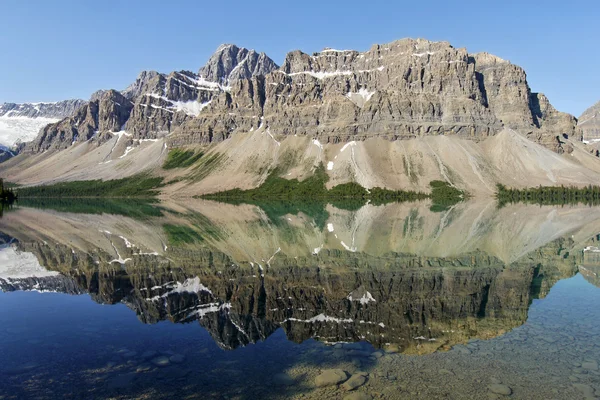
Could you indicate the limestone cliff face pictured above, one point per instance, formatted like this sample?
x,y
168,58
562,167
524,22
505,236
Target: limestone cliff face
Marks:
x,y
166,101
231,63
401,90
95,120
554,126
589,122
155,103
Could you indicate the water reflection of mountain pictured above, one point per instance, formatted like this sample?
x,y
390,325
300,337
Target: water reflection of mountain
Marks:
x,y
396,275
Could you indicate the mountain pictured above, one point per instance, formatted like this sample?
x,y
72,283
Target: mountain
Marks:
x,y
22,122
589,122
402,90
407,112
155,103
231,63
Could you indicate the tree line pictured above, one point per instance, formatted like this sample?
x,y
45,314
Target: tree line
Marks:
x,y
141,185
549,195
7,195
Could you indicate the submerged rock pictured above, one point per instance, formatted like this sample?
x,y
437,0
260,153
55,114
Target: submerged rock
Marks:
x,y
354,382
499,388
591,365
331,377
358,396
161,361
586,390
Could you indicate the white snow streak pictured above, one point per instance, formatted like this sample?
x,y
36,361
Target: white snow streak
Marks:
x,y
320,318
365,299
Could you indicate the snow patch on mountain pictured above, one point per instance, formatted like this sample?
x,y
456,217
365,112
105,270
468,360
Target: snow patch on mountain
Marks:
x,y
16,265
21,129
21,122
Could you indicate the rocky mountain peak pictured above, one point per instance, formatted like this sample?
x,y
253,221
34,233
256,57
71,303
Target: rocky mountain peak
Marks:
x,y
108,112
486,59
231,62
140,85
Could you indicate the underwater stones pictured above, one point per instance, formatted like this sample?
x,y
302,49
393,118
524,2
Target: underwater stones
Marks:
x,y
354,382
358,396
591,365
331,377
586,390
462,349
143,368
161,361
501,389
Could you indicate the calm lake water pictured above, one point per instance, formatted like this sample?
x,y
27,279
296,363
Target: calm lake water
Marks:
x,y
209,300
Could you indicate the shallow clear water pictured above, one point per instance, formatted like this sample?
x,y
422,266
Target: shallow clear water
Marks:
x,y
217,301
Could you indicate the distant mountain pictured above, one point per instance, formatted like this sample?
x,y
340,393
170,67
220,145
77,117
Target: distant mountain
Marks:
x,y
156,103
589,122
22,122
55,110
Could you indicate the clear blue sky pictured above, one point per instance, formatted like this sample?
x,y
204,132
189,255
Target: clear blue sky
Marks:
x,y
54,50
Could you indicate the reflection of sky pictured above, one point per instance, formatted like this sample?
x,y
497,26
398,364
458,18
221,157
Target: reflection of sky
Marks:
x,y
73,319
64,334
61,334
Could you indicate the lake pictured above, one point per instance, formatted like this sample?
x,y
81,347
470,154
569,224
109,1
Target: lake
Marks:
x,y
210,300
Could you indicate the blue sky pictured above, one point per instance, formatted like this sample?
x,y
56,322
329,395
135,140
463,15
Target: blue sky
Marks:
x,y
54,50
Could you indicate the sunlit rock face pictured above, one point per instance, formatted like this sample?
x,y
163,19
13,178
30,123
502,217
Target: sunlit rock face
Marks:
x,y
243,275
589,122
400,90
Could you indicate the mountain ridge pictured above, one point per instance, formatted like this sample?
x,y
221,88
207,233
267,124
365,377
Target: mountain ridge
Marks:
x,y
487,93
21,122
401,91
